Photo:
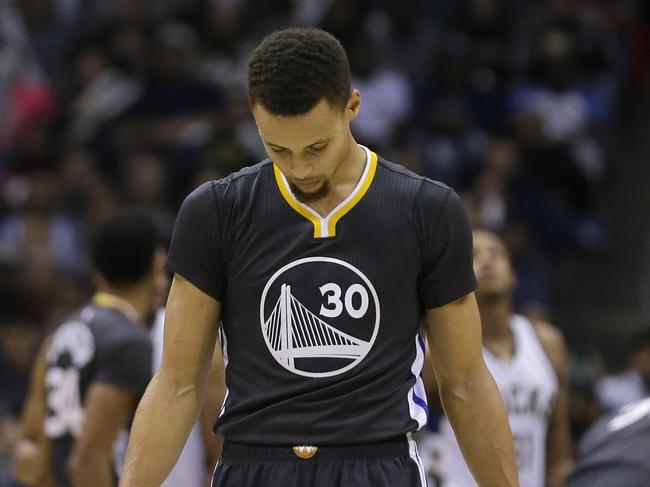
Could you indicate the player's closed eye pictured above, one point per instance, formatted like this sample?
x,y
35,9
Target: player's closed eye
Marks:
x,y
316,149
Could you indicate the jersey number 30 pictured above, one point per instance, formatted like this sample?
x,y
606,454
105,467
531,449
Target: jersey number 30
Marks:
x,y
334,307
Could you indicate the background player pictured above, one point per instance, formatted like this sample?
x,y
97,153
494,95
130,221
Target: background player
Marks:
x,y
335,253
32,461
529,363
98,361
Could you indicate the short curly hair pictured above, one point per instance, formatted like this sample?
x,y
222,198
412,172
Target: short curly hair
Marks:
x,y
293,69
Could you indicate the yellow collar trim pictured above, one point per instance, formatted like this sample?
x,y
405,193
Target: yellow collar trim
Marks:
x,y
326,226
107,300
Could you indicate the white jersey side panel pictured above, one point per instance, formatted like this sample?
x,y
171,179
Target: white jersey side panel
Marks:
x,y
528,386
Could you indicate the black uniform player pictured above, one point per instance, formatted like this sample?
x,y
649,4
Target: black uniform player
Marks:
x,y
99,360
320,264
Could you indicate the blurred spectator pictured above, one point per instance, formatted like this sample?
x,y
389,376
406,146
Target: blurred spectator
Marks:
x,y
177,111
386,94
146,185
584,408
223,27
103,94
36,230
26,98
344,19
488,202
627,360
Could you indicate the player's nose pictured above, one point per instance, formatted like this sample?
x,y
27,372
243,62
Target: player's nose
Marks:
x,y
301,170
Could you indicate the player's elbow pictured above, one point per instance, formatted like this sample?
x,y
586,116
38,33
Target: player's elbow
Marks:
x,y
181,385
465,386
463,383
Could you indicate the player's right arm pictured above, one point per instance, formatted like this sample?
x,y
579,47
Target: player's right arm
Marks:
x,y
31,457
174,397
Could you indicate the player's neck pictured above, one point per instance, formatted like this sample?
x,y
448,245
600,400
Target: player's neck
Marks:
x,y
131,300
344,180
495,318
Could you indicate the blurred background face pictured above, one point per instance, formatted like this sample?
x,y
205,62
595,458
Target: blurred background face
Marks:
x,y
307,148
492,266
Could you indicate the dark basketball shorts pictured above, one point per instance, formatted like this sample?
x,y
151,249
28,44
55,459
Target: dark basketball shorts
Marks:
x,y
390,464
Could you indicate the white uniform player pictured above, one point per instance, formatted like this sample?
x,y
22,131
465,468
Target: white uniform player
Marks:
x,y
190,470
528,385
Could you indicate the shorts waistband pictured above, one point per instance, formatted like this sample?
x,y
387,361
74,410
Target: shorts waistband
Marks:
x,y
244,451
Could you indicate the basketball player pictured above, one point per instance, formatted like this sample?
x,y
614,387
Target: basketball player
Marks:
x,y
529,363
31,459
315,268
99,360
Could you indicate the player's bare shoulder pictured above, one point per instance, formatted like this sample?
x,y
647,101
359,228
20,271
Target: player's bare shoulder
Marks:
x,y
554,344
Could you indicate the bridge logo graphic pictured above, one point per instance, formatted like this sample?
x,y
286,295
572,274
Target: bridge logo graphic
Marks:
x,y
329,330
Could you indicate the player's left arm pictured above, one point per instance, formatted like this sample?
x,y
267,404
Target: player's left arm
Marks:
x,y
108,409
559,460
469,394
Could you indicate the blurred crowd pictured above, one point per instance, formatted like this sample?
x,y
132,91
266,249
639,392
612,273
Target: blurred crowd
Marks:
x,y
103,103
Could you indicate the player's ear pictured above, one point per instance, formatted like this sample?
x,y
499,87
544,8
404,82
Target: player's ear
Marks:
x,y
353,106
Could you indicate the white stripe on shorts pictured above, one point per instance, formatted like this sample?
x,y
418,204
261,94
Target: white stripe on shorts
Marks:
x,y
214,472
413,453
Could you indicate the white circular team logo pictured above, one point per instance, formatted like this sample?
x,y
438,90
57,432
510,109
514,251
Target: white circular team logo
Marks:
x,y
319,316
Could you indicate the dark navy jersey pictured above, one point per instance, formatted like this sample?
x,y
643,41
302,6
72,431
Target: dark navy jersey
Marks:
x,y
321,315
95,345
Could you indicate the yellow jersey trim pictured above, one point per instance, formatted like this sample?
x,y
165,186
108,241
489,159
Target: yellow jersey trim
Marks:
x,y
294,203
105,300
326,226
357,194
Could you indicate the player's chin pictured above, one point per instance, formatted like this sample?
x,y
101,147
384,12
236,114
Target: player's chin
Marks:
x,y
310,192
308,187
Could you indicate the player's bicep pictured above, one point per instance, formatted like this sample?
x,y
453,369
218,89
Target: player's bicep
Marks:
x,y
108,409
454,339
191,332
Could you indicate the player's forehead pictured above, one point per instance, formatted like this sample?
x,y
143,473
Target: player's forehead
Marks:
x,y
485,240
319,124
